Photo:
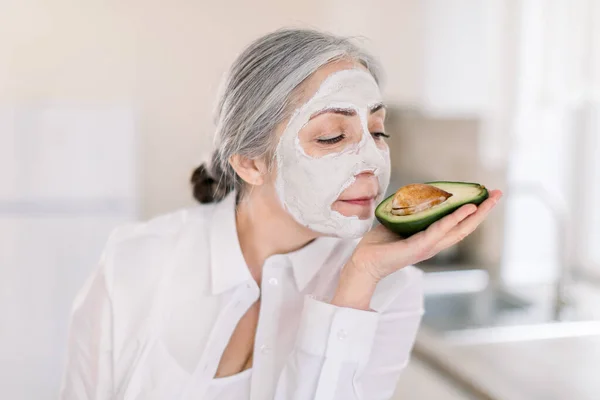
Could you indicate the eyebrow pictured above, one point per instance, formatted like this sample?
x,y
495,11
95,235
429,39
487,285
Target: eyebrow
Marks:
x,y
377,107
348,112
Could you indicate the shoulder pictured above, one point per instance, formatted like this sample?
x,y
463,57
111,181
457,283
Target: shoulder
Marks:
x,y
164,225
139,250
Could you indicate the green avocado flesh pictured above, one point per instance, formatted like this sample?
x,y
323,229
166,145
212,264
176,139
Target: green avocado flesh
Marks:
x,y
407,225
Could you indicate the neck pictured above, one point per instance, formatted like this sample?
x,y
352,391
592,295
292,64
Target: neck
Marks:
x,y
265,229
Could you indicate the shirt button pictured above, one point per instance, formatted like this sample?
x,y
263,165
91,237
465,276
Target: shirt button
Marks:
x,y
273,281
265,349
342,334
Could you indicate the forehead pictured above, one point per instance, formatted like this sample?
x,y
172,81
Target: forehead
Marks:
x,y
353,86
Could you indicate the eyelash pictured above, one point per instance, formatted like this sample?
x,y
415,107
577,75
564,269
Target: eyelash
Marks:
x,y
380,134
341,137
332,140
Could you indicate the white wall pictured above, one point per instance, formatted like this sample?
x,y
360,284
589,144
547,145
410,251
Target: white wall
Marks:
x,y
166,60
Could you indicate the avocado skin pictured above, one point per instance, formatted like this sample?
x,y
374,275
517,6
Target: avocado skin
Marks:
x,y
409,228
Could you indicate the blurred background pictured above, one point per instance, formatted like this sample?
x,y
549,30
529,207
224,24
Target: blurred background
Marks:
x,y
105,109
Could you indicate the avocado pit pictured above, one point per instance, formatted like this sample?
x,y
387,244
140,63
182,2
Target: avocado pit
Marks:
x,y
417,197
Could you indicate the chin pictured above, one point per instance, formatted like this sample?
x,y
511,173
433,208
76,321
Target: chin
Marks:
x,y
352,227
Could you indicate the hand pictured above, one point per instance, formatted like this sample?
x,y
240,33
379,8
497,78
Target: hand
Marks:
x,y
382,252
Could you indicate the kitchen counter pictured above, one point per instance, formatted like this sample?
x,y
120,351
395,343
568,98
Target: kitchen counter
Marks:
x,y
560,369
535,364
419,381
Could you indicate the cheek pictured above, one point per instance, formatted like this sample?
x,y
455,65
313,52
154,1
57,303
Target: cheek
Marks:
x,y
382,145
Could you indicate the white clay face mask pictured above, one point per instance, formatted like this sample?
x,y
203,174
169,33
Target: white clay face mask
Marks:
x,y
308,186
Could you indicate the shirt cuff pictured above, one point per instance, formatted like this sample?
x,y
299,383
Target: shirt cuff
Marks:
x,y
331,331
392,286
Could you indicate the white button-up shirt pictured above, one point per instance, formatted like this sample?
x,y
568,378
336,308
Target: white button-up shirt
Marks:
x,y
154,320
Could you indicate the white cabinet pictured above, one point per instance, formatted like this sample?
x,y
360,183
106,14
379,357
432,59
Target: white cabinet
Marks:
x,y
68,178
455,57
66,153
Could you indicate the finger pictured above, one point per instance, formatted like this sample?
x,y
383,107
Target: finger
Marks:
x,y
440,229
468,225
482,212
495,195
423,242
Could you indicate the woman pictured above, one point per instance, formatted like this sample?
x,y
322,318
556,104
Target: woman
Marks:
x,y
275,287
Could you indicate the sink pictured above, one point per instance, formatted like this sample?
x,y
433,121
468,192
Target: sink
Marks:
x,y
472,310
463,307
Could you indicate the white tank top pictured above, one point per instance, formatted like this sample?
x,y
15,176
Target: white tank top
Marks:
x,y
234,387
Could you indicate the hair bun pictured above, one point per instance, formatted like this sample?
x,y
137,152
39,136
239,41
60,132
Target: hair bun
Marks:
x,y
204,185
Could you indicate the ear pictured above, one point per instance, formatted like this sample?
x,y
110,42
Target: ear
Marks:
x,y
251,170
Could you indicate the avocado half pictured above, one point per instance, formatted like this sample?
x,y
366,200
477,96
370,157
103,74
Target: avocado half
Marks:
x,y
407,225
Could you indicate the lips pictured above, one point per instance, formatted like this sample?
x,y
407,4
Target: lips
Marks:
x,y
360,201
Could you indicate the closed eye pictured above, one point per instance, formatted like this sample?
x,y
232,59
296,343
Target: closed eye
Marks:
x,y
332,140
378,135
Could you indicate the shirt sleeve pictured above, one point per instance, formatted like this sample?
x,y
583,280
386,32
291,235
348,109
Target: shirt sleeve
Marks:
x,y
344,353
88,371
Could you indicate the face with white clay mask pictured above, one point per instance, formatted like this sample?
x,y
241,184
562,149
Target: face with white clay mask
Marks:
x,y
333,164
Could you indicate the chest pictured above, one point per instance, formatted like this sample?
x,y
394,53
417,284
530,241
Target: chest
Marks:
x,y
239,352
216,336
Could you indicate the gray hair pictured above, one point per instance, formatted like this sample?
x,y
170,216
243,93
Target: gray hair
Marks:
x,y
259,94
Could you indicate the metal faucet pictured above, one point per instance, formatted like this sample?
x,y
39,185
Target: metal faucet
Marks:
x,y
560,213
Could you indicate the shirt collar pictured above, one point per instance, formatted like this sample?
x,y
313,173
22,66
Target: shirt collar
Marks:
x,y
308,260
228,266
